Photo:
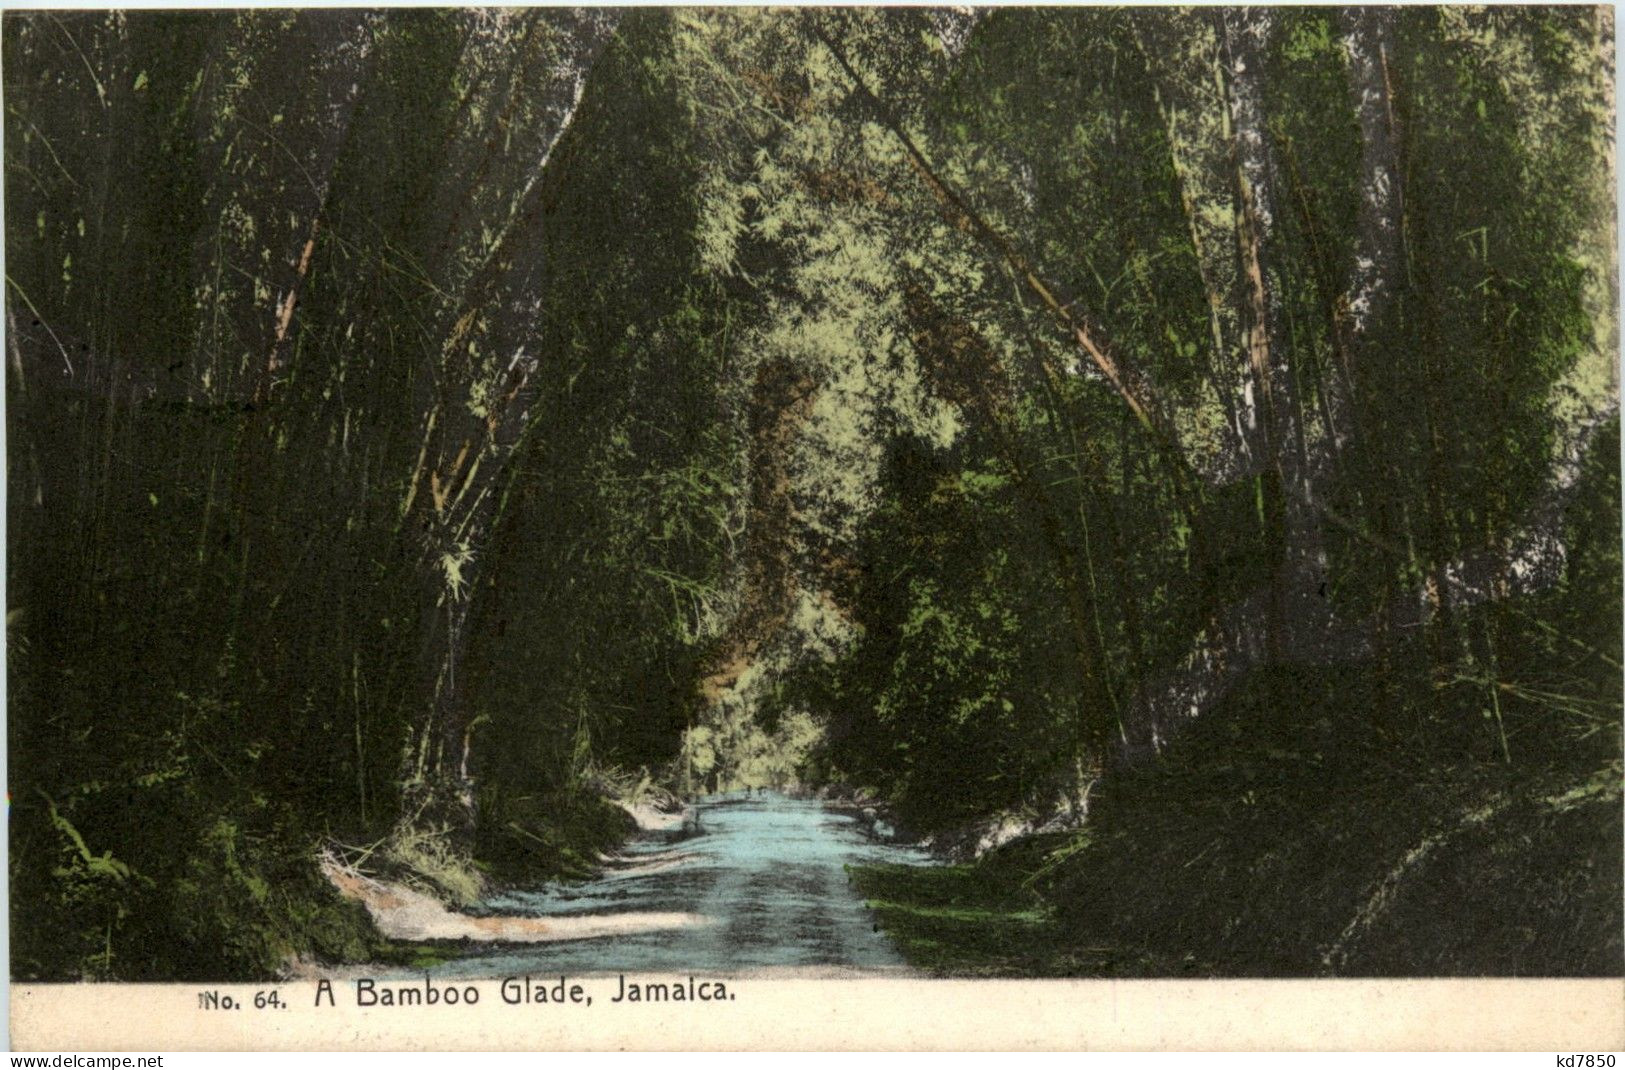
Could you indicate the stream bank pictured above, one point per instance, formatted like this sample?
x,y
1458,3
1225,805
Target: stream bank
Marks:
x,y
1390,861
748,882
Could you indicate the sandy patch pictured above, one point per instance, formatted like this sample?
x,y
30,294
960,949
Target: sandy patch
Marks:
x,y
403,913
615,868
650,819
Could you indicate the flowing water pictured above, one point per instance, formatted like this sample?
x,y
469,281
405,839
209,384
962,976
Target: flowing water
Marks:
x,y
763,885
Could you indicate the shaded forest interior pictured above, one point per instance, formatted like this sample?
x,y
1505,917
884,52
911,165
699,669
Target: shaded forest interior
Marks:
x,y
1170,459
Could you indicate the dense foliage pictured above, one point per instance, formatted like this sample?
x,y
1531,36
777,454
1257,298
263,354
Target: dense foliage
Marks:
x,y
426,427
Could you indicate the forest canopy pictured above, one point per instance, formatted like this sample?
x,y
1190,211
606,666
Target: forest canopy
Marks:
x,y
426,429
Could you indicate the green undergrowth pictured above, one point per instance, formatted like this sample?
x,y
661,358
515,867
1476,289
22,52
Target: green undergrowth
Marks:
x,y
238,903
969,920
413,955
1290,834
987,919
534,839
250,902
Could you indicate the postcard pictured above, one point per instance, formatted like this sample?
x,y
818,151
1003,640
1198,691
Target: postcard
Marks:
x,y
901,527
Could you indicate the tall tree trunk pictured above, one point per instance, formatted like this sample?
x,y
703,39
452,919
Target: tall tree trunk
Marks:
x,y
482,379
267,170
1184,58
1380,272
1299,617
1379,259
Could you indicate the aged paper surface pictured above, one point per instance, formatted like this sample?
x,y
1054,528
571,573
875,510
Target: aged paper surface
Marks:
x,y
914,528
1490,1015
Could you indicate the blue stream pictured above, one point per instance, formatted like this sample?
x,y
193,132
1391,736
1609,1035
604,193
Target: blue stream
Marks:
x,y
764,876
